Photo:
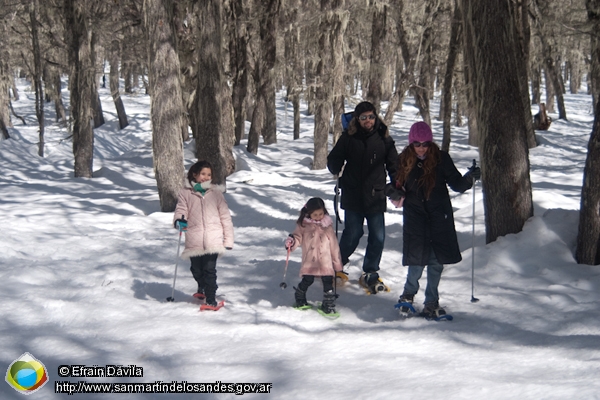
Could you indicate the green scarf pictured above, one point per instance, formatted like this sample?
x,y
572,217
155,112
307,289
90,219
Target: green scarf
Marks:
x,y
198,188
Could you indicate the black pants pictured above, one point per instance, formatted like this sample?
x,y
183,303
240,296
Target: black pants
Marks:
x,y
308,280
204,270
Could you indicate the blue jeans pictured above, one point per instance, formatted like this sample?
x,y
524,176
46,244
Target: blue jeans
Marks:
x,y
353,231
434,273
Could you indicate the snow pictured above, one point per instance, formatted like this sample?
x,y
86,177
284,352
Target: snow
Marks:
x,y
86,266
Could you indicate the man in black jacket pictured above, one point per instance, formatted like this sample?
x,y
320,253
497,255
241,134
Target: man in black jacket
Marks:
x,y
365,151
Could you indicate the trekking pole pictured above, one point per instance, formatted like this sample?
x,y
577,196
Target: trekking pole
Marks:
x,y
336,206
473,298
172,298
283,285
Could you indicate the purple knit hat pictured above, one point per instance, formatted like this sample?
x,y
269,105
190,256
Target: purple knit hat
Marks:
x,y
420,132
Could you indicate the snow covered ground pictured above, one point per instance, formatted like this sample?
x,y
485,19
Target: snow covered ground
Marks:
x,y
86,266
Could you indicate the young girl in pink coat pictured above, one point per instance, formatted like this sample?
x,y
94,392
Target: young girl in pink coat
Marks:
x,y
203,214
320,252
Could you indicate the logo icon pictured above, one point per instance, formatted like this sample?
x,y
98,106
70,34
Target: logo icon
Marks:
x,y
26,374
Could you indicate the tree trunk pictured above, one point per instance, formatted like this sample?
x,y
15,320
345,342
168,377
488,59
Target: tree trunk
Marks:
x,y
13,83
469,80
82,85
166,104
215,120
265,58
423,89
5,83
593,78
4,101
404,68
323,88
549,92
519,9
536,79
588,236
377,61
98,115
296,105
500,115
453,49
552,73
37,73
113,82
238,44
59,107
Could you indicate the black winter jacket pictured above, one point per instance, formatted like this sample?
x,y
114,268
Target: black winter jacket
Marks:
x,y
367,156
430,223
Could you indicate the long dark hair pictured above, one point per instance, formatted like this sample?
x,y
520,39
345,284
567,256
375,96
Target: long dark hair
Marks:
x,y
313,204
195,169
407,160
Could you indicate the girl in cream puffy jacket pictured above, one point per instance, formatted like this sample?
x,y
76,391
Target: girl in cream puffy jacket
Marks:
x,y
204,215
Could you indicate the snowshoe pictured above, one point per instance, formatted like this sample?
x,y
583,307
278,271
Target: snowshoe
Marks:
x,y
327,307
433,311
341,277
405,304
213,306
372,283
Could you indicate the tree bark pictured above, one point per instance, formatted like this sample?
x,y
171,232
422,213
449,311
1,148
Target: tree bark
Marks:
x,y
166,105
500,115
453,49
377,59
593,12
536,78
214,132
113,82
37,73
98,115
404,68
588,236
5,83
323,88
81,84
265,58
238,44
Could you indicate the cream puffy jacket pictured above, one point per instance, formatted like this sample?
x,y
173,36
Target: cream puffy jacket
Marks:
x,y
320,249
209,229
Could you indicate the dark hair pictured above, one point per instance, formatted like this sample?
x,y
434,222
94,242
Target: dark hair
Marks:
x,y
364,107
313,204
195,169
406,162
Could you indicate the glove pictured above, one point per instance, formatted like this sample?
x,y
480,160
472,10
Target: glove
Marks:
x,y
289,242
394,193
474,173
180,224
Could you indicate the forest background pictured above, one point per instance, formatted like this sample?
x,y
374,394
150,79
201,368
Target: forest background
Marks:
x,y
208,66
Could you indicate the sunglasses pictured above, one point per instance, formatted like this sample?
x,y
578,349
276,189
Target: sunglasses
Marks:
x,y
419,144
365,117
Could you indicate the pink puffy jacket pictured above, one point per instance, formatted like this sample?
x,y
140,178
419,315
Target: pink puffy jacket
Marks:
x,y
210,229
320,249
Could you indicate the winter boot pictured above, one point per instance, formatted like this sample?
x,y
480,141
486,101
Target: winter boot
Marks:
x,y
300,297
371,281
328,305
433,310
407,299
199,294
211,301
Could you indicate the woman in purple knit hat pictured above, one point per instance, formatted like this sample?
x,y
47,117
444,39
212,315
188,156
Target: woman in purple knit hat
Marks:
x,y
423,174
